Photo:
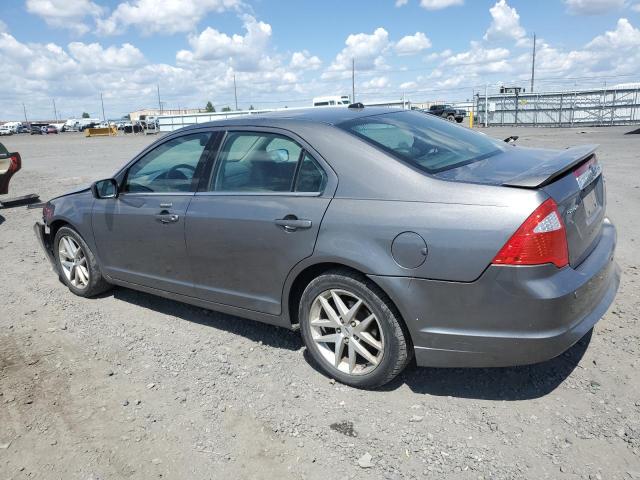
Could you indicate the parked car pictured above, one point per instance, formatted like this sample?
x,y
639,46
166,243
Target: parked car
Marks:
x,y
10,163
448,112
50,129
5,130
381,234
35,130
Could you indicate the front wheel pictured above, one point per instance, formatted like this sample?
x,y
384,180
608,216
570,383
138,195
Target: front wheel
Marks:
x,y
352,330
451,118
77,265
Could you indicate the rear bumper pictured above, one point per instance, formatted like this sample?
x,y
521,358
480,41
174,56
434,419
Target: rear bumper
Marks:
x,y
510,315
44,239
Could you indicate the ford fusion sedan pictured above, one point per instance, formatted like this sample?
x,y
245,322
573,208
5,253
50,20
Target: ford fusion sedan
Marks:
x,y
381,234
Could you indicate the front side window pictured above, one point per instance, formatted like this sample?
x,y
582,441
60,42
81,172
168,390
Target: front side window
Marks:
x,y
170,167
256,162
424,141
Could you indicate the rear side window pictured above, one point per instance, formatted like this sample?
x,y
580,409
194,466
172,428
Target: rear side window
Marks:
x,y
265,162
424,141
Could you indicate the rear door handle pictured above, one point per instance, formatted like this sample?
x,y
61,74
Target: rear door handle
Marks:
x,y
167,218
293,224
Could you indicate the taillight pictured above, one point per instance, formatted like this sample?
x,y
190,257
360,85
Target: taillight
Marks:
x,y
15,163
47,212
542,238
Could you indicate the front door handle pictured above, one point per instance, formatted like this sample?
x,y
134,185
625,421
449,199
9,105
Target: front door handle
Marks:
x,y
167,218
291,223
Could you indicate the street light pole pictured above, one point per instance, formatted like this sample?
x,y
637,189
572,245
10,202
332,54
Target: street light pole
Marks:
x,y
104,119
353,80
24,109
235,91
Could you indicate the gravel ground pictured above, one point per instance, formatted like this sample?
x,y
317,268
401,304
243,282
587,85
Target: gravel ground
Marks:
x,y
133,386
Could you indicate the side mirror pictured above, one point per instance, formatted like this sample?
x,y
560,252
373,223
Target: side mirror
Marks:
x,y
280,155
107,188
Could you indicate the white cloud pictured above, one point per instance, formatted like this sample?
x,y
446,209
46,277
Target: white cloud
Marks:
x,y
304,61
161,16
412,44
401,3
366,49
93,57
411,85
593,7
505,22
439,4
636,7
625,36
64,13
376,83
245,52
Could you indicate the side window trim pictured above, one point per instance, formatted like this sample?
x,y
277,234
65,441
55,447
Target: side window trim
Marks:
x,y
215,165
204,157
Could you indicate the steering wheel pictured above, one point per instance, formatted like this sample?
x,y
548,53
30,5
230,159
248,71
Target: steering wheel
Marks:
x,y
174,172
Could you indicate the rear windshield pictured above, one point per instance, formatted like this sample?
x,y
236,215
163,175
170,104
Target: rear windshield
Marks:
x,y
426,142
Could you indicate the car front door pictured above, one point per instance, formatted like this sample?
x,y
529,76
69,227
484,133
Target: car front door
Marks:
x,y
256,218
140,234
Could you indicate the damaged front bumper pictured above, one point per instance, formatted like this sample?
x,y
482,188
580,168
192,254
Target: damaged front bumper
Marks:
x,y
45,242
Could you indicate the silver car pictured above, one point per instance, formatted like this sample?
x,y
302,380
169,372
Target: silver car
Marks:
x,y
381,234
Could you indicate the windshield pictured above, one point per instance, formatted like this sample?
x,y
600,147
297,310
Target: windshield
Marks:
x,y
424,141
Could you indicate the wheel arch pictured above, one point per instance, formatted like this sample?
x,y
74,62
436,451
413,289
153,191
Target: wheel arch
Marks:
x,y
304,273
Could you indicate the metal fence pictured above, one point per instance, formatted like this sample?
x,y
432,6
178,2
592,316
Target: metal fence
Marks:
x,y
562,109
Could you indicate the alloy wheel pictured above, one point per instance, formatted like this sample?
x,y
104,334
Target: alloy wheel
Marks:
x,y
346,331
73,262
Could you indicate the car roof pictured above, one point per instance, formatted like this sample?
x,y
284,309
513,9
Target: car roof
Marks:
x,y
325,115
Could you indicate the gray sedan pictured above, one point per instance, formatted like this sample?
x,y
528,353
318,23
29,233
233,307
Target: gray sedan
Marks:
x,y
381,234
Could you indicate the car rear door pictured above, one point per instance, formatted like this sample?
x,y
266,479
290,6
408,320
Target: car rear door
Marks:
x,y
256,217
140,234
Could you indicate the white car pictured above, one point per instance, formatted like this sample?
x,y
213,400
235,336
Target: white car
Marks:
x,y
5,130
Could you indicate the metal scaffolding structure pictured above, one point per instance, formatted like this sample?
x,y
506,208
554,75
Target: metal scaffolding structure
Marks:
x,y
561,109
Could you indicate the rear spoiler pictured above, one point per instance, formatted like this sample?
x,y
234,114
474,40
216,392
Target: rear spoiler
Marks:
x,y
552,168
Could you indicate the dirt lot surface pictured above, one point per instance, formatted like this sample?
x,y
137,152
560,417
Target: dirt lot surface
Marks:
x,y
133,386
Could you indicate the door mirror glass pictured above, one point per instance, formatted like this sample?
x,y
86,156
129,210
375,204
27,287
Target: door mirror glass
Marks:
x,y
280,155
107,188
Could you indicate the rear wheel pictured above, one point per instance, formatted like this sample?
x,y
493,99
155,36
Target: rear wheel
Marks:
x,y
352,330
77,265
451,118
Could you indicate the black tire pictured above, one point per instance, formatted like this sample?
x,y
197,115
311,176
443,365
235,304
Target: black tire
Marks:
x,y
451,118
96,284
397,347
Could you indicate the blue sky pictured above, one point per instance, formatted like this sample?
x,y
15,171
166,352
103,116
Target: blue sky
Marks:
x,y
286,52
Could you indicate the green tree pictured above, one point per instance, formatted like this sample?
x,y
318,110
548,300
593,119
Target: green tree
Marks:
x,y
226,109
209,108
85,115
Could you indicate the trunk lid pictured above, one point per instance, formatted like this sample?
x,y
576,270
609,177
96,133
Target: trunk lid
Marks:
x,y
572,177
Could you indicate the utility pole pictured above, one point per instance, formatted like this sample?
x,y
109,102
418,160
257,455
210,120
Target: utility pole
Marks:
x,y
104,119
533,61
55,112
24,109
159,102
235,91
353,80
486,105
